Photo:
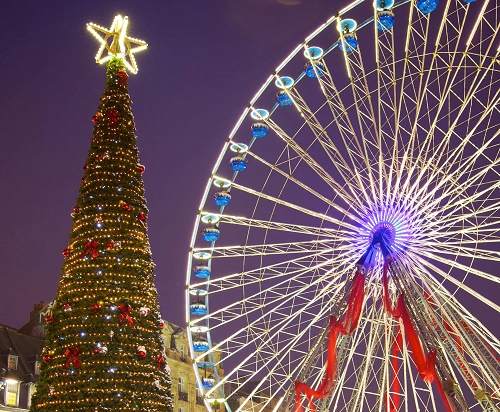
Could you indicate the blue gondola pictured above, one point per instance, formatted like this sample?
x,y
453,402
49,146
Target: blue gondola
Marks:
x,y
210,234
222,198
283,98
198,307
200,345
239,163
201,272
385,21
427,6
351,44
259,130
314,70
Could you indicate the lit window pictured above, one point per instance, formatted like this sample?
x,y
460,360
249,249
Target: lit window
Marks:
x,y
180,386
12,362
12,397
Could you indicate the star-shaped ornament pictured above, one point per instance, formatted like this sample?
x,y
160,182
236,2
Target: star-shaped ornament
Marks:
x,y
116,42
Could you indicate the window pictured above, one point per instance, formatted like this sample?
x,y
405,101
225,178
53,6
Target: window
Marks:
x,y
12,397
182,350
180,386
38,366
181,409
32,392
13,362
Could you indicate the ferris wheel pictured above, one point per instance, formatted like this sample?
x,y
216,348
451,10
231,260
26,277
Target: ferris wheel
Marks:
x,y
348,240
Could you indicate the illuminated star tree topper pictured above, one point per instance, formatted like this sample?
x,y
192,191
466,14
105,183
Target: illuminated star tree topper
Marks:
x,y
116,42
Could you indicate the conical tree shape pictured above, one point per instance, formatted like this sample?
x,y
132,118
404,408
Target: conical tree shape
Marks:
x,y
104,349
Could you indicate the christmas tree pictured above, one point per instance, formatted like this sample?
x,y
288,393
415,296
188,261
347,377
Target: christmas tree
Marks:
x,y
104,349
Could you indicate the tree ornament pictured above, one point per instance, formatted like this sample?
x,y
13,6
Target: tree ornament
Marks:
x,y
76,209
103,156
111,334
95,117
73,358
160,360
67,307
124,205
47,358
162,323
91,249
142,169
100,349
95,307
144,311
49,319
142,216
66,252
122,78
85,166
141,352
125,310
110,245
51,390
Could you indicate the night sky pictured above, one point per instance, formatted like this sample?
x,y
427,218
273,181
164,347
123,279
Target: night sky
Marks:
x,y
206,59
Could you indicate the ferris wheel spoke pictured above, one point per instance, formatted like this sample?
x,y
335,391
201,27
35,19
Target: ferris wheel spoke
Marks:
x,y
281,328
290,177
267,249
454,176
365,114
313,164
386,101
462,286
410,91
300,270
321,135
300,278
291,206
282,226
454,264
340,114
458,249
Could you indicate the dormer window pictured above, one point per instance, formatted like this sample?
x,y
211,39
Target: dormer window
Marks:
x,y
13,362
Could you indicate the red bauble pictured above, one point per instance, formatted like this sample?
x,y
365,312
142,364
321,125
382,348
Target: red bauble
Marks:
x,y
76,209
95,117
141,352
66,252
125,206
142,168
95,307
142,216
47,358
49,319
110,244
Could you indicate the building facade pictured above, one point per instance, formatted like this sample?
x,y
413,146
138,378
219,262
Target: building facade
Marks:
x,y
187,397
20,362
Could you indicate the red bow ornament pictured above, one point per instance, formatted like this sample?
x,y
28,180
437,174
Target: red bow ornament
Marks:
x,y
72,355
91,249
125,310
112,116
